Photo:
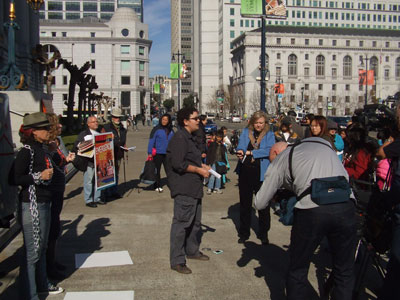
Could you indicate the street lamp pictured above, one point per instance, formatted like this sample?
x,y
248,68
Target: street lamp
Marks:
x,y
362,58
35,4
180,61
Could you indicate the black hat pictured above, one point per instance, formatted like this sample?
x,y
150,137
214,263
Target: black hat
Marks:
x,y
36,120
332,124
286,121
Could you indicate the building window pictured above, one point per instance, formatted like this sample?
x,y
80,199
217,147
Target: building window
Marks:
x,y
292,41
306,87
125,100
125,49
306,56
334,73
93,64
278,56
347,69
64,34
320,99
141,50
334,57
306,72
141,65
65,97
93,34
333,87
386,74
347,87
232,11
307,42
279,71
141,80
232,22
89,6
334,43
72,6
65,80
397,68
361,43
125,80
292,65
387,44
232,33
320,87
347,99
386,58
320,66
292,86
321,42
125,65
92,48
361,99
374,44
54,34
334,99
347,43
278,41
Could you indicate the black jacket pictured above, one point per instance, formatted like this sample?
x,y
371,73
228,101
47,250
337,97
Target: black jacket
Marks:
x,y
21,176
216,152
119,139
200,138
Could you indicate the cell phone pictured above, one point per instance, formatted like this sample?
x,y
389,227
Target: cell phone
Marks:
x,y
218,251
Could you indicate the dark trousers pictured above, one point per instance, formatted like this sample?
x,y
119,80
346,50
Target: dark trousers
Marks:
x,y
336,222
185,228
55,227
391,289
249,185
158,160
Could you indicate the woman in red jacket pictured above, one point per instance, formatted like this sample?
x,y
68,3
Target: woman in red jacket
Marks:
x,y
359,157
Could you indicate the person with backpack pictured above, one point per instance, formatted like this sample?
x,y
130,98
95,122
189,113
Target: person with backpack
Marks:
x,y
216,159
297,168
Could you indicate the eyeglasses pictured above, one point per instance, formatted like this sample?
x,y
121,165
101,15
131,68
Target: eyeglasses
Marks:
x,y
196,118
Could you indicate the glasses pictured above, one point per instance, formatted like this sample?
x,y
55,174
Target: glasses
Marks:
x,y
196,118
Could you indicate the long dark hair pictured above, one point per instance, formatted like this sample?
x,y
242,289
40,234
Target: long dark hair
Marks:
x,y
321,120
357,139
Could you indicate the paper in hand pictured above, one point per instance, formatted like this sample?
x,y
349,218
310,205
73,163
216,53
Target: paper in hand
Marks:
x,y
212,172
129,149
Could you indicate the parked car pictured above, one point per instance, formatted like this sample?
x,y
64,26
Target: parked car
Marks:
x,y
340,121
211,116
210,126
236,119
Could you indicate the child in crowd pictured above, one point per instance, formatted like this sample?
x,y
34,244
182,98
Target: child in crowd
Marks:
x,y
216,158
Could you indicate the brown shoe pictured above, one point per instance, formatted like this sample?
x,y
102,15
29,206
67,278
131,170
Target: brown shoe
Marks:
x,y
201,256
181,268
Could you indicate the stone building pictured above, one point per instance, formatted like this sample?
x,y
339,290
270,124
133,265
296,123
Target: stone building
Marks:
x,y
118,51
319,68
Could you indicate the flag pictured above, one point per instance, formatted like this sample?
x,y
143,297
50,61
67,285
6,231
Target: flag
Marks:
x,y
174,71
279,88
156,88
370,77
251,7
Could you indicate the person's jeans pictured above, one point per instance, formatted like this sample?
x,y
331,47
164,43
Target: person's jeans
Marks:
x,y
337,222
185,227
89,188
33,276
212,179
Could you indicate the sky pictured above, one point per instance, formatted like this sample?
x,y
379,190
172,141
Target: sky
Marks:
x,y
157,14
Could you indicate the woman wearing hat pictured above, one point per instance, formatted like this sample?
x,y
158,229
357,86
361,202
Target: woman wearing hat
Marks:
x,y
33,171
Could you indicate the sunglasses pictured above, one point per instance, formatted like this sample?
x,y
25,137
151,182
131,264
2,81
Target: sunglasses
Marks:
x,y
196,118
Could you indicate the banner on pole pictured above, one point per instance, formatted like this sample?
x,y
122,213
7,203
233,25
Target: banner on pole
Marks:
x,y
251,8
104,160
174,71
279,88
156,88
274,9
365,78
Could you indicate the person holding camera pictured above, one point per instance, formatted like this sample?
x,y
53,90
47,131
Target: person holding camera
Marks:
x,y
391,150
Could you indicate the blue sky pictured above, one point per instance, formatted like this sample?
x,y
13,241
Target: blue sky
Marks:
x,y
157,14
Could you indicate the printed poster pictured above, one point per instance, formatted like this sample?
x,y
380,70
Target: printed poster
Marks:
x,y
104,160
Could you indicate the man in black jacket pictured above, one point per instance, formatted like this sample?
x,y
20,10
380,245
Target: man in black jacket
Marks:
x,y
119,132
185,174
91,194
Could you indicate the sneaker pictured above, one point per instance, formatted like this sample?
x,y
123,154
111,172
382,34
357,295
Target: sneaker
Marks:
x,y
218,191
160,190
52,290
208,192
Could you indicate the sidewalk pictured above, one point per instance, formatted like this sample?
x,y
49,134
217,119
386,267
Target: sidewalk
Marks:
x,y
140,224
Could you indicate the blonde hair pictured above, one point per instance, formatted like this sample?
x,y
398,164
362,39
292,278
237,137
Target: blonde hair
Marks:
x,y
53,119
257,115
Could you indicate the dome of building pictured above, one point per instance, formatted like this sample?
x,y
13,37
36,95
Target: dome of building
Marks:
x,y
124,15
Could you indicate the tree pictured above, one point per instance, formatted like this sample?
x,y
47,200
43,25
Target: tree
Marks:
x,y
75,76
169,104
188,101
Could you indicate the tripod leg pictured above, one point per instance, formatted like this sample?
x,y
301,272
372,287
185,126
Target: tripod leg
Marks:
x,y
363,256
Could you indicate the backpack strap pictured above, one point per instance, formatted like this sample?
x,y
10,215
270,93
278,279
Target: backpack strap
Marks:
x,y
307,190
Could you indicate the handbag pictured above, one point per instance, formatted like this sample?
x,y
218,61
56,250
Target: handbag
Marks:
x,y
330,190
220,167
149,172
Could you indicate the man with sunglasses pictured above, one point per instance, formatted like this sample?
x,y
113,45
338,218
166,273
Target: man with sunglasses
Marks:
x,y
185,173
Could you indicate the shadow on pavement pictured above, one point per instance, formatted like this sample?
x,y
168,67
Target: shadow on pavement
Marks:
x,y
74,193
7,266
70,243
273,264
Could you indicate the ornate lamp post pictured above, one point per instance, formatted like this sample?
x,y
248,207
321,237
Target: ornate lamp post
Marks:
x,y
35,4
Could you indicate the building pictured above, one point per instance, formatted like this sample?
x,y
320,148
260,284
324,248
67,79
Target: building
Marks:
x,y
78,9
118,51
318,66
183,34
220,22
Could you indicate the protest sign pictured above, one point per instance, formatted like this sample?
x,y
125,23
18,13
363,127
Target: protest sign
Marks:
x,y
104,160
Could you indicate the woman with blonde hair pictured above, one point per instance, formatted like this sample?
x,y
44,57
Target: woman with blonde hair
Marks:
x,y
255,142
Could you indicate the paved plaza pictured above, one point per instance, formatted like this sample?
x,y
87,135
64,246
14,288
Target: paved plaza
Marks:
x,y
139,223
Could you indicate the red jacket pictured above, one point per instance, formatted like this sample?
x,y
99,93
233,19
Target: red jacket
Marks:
x,y
359,166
